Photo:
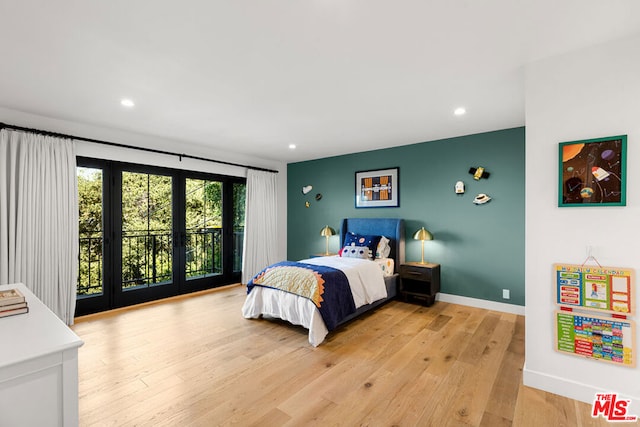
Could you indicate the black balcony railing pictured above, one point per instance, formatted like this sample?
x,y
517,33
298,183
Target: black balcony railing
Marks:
x,y
90,264
147,257
238,248
203,252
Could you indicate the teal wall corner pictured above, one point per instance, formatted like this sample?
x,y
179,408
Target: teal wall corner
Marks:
x,y
480,247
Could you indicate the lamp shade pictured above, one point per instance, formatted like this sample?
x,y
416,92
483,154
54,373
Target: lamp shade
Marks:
x,y
327,231
423,235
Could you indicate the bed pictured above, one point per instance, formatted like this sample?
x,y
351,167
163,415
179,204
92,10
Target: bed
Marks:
x,y
369,293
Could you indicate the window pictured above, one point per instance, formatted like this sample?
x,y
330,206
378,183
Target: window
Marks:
x,y
146,230
203,217
149,233
90,271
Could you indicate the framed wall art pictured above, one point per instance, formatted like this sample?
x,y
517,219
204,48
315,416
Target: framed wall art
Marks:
x,y
593,172
377,188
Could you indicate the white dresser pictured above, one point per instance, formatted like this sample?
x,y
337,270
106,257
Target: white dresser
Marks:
x,y
38,368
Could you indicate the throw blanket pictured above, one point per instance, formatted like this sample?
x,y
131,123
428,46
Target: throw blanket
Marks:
x,y
327,287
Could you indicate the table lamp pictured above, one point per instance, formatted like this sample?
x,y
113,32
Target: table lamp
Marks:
x,y
423,235
327,232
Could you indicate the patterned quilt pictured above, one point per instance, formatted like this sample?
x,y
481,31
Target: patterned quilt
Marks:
x,y
327,287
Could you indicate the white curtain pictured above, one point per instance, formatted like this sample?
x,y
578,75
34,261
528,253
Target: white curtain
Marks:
x,y
260,233
39,217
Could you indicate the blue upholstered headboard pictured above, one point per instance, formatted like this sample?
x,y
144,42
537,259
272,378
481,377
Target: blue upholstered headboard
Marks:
x,y
391,228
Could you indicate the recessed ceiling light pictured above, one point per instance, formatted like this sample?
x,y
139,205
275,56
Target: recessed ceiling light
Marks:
x,y
459,111
292,146
127,103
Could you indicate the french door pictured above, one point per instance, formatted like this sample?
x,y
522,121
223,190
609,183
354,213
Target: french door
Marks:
x,y
148,233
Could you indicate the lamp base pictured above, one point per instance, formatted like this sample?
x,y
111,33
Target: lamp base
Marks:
x,y
422,255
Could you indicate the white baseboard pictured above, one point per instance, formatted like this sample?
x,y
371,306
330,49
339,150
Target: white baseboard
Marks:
x,y
481,303
564,387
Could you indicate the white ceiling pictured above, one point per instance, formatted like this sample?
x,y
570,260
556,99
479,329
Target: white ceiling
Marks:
x,y
253,76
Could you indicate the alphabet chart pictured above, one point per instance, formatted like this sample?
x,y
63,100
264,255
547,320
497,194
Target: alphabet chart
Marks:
x,y
595,337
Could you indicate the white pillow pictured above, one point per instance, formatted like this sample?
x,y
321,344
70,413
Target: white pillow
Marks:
x,y
354,251
383,248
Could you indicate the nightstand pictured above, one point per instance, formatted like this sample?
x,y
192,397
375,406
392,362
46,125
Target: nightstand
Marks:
x,y
420,281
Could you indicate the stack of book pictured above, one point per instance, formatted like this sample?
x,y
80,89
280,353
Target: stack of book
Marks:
x,y
12,302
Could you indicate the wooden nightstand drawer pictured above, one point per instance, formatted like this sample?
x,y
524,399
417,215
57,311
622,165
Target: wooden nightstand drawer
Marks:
x,y
415,272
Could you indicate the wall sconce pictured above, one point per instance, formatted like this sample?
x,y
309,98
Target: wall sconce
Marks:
x,y
423,235
327,232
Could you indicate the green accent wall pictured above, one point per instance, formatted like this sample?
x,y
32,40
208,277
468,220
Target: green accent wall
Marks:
x,y
480,248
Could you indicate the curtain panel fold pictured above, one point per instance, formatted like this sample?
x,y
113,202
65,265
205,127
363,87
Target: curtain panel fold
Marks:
x,y
260,230
39,217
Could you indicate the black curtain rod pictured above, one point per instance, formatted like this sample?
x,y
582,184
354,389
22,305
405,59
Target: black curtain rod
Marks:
x,y
115,144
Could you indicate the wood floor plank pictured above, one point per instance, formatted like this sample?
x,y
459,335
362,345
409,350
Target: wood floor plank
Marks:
x,y
315,413
502,398
439,322
474,391
396,397
437,410
195,361
478,342
491,420
410,405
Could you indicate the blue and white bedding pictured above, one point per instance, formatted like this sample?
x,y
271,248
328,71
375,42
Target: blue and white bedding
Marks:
x,y
365,277
365,282
327,287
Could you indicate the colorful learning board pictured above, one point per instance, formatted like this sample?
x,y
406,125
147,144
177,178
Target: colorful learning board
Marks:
x,y
607,339
606,289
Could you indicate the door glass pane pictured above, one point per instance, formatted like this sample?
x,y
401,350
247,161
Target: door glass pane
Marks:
x,y
239,192
90,260
203,218
147,227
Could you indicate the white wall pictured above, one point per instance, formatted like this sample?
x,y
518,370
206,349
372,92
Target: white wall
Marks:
x,y
585,94
99,151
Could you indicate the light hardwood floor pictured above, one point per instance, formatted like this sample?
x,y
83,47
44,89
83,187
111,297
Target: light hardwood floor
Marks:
x,y
194,361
